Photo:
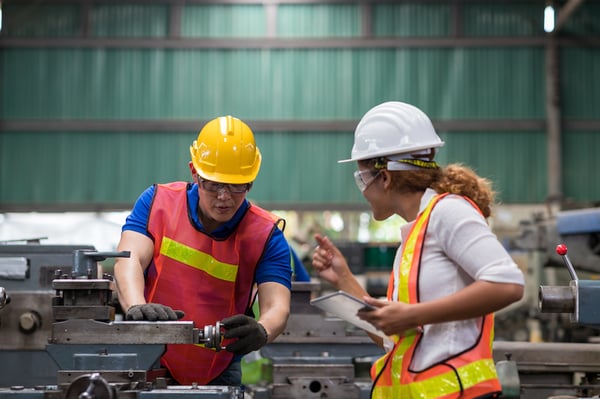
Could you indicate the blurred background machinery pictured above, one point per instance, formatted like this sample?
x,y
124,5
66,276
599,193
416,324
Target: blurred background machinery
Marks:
x,y
579,231
562,356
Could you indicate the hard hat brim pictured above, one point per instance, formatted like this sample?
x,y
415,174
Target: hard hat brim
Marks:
x,y
393,152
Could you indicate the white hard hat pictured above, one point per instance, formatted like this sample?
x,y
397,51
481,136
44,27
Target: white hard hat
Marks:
x,y
393,128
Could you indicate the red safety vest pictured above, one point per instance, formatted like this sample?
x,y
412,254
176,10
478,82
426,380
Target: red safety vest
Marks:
x,y
466,375
209,279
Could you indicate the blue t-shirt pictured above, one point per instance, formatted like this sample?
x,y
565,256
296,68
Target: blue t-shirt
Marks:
x,y
300,272
274,266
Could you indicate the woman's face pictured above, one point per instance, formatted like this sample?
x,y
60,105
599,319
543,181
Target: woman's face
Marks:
x,y
376,192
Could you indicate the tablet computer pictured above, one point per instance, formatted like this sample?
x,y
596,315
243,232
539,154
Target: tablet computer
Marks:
x,y
345,306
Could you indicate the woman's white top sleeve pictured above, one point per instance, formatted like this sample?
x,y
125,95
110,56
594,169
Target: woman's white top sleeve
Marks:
x,y
459,248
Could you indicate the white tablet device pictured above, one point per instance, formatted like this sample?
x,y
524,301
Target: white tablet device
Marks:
x,y
345,306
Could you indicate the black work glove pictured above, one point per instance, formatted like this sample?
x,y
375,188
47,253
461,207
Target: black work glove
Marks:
x,y
152,312
250,333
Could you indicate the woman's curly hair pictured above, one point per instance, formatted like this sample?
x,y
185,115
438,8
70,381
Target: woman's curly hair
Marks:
x,y
462,180
454,178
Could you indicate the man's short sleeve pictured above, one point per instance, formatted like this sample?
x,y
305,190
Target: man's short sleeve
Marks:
x,y
138,218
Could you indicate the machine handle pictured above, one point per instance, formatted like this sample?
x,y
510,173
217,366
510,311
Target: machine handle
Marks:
x,y
84,261
561,250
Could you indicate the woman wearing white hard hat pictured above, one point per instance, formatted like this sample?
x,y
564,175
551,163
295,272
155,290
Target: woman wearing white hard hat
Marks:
x,y
450,273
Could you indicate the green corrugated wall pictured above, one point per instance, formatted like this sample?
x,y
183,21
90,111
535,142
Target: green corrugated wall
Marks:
x,y
96,169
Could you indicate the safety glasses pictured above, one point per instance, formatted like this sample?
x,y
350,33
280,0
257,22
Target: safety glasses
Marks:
x,y
215,187
364,178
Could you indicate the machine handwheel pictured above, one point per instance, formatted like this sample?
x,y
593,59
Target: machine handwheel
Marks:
x,y
91,386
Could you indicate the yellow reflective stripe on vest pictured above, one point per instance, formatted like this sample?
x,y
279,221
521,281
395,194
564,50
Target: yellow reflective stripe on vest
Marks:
x,y
408,254
442,384
199,260
398,354
398,359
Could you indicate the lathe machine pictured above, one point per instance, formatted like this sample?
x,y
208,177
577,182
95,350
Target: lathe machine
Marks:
x,y
64,340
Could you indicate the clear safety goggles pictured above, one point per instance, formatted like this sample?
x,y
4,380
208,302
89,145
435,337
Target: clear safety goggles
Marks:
x,y
215,187
364,178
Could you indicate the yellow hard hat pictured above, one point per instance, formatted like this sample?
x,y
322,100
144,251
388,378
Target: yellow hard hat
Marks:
x,y
225,152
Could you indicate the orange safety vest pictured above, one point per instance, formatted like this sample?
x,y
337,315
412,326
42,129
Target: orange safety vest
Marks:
x,y
209,279
466,375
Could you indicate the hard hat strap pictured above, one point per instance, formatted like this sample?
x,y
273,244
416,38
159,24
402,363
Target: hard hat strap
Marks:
x,y
411,164
413,161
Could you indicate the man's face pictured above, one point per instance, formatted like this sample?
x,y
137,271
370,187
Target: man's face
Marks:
x,y
219,202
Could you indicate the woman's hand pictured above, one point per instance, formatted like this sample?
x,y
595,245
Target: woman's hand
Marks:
x,y
329,262
393,318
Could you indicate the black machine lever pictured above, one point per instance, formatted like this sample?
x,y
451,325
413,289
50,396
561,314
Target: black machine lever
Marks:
x,y
85,261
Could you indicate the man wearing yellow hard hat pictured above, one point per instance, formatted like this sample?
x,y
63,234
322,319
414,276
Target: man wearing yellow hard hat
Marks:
x,y
197,251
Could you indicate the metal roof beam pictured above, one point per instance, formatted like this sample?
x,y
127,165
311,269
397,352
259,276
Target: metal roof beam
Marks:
x,y
565,13
159,125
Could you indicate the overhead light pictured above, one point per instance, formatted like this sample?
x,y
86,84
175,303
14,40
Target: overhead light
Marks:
x,y
549,19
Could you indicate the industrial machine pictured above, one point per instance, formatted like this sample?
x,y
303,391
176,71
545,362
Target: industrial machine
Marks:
x,y
578,229
565,362
26,274
61,328
543,370
92,353
61,335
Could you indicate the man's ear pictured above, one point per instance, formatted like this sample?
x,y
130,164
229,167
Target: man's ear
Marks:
x,y
192,169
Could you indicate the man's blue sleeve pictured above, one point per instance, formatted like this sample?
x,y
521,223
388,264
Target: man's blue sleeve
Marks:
x,y
275,265
300,273
138,218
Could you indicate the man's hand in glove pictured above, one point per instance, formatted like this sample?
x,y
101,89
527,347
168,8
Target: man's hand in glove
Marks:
x,y
250,333
152,312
